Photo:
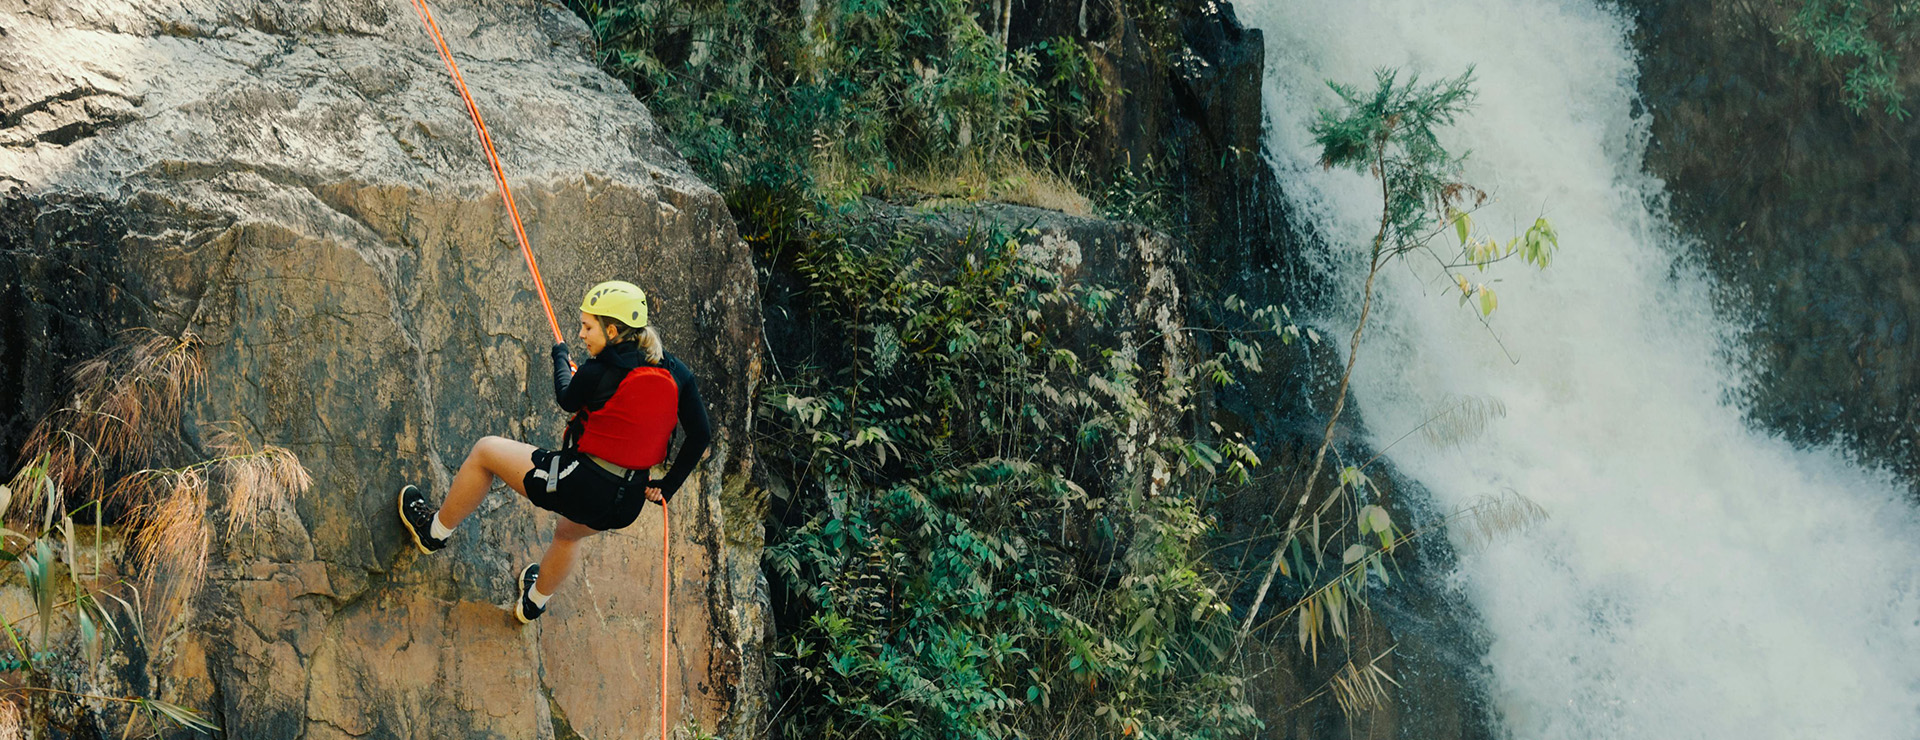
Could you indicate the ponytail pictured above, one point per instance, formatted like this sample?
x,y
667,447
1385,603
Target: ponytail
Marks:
x,y
650,344
646,337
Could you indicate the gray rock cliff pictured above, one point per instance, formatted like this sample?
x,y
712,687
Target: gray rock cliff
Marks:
x,y
298,184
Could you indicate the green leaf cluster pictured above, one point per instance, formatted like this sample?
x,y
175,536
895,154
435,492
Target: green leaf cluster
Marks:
x,y
24,662
1143,193
1391,132
1863,40
992,525
58,587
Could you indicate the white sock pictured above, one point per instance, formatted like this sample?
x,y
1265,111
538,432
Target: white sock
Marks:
x,y
534,595
440,531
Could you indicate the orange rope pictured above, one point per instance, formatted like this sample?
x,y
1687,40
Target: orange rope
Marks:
x,y
493,159
666,587
526,250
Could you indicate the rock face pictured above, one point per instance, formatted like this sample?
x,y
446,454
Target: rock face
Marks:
x,y
298,184
1804,209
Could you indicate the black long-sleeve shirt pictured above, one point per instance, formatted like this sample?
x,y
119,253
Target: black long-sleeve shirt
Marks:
x,y
600,376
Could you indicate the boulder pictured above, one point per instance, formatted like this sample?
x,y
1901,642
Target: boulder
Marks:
x,y
298,184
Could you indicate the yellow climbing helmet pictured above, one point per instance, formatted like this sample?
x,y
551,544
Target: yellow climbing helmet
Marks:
x,y
617,299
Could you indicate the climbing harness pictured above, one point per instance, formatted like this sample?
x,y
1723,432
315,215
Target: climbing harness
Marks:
x,y
554,473
526,250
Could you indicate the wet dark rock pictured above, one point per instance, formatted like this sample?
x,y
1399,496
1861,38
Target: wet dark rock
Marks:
x,y
1804,211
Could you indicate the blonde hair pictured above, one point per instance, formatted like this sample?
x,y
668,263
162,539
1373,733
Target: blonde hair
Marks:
x,y
650,344
646,337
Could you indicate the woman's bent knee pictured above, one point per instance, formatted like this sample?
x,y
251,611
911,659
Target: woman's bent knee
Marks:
x,y
568,530
478,452
493,450
491,454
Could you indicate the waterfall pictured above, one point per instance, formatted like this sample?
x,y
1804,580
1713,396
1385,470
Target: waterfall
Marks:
x,y
1698,578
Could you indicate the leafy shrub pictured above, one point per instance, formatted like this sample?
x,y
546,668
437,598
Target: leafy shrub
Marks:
x,y
1390,131
1862,39
991,535
828,101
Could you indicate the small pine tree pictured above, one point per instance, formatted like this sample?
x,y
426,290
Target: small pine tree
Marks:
x,y
1391,133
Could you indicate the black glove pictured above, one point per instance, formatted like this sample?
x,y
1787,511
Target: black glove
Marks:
x,y
562,370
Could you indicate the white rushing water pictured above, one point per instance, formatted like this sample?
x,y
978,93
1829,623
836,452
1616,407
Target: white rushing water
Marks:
x,y
1697,578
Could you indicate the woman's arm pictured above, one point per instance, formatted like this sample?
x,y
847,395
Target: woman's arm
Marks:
x,y
570,390
694,424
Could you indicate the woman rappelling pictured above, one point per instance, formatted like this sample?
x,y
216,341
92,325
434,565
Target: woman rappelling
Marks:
x,y
626,401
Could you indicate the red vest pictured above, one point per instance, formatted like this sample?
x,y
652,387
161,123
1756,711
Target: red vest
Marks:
x,y
633,428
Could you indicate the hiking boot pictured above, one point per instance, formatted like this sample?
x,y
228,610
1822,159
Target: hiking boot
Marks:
x,y
523,608
417,515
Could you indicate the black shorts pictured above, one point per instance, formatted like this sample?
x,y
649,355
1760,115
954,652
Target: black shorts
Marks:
x,y
586,493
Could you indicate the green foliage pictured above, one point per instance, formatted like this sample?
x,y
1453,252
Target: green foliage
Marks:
x,y
1158,22
1074,94
63,593
1863,40
1390,132
39,570
985,540
766,96
22,663
1142,194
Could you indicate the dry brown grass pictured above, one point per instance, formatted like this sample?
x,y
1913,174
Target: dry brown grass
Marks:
x,y
1362,687
172,517
12,725
968,181
1042,189
123,402
258,477
1492,518
172,541
959,181
1462,419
